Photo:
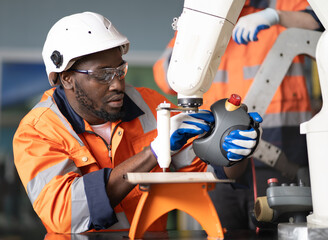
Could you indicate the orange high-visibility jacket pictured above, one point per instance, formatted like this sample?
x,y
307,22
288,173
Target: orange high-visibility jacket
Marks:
x,y
290,105
64,166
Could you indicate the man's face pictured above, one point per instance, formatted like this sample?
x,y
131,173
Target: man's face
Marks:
x,y
98,102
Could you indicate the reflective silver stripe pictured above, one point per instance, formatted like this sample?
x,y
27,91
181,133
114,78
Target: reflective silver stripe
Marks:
x,y
210,169
285,119
273,4
221,76
183,158
250,72
309,8
295,69
80,215
166,56
35,186
80,210
122,223
78,237
147,120
49,103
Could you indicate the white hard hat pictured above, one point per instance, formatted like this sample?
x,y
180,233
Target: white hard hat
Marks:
x,y
78,35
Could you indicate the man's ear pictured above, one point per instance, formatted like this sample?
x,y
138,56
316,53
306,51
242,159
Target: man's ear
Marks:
x,y
67,80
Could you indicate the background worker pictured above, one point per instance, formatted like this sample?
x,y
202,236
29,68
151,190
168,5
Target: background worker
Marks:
x,y
259,25
73,148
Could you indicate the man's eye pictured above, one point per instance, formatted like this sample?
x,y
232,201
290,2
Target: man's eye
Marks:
x,y
100,75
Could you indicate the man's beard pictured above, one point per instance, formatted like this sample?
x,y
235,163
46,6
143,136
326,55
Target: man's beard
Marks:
x,y
88,103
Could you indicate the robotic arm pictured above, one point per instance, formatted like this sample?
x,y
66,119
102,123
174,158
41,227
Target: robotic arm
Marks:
x,y
204,30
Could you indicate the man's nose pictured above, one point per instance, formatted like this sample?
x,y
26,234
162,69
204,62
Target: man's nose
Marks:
x,y
117,83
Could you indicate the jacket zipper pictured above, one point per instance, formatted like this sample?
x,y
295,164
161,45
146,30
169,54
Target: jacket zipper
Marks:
x,y
108,146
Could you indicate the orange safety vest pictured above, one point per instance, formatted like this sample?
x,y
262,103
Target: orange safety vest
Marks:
x,y
290,105
52,158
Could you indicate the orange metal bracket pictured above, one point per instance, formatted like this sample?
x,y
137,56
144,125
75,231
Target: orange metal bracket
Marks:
x,y
192,198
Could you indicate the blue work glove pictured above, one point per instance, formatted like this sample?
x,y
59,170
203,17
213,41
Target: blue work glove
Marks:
x,y
249,26
185,126
241,143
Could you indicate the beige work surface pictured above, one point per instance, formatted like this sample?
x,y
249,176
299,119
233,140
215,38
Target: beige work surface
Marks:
x,y
173,177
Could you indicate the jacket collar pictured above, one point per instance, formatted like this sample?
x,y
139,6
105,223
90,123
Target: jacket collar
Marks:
x,y
77,122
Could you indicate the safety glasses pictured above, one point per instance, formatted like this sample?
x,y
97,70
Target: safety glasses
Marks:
x,y
106,75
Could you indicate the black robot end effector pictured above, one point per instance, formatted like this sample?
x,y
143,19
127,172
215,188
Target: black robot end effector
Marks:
x,y
226,120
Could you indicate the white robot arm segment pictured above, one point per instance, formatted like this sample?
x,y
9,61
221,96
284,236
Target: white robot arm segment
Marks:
x,y
204,30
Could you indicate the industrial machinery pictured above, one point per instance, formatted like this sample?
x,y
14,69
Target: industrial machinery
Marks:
x,y
289,203
195,58
316,130
204,30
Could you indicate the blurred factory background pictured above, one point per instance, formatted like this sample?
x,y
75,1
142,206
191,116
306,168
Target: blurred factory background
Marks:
x,y
23,29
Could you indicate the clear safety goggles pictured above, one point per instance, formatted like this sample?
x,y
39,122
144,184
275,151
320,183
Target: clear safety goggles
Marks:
x,y
106,75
